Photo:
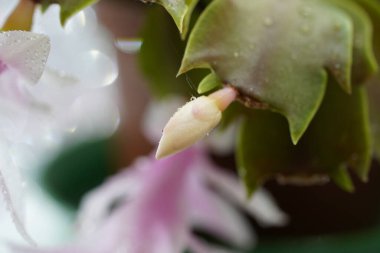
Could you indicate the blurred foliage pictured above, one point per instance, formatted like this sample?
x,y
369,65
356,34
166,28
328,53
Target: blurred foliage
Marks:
x,y
77,170
161,54
365,241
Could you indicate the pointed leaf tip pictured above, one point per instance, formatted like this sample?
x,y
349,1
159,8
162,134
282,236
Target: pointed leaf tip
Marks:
x,y
181,11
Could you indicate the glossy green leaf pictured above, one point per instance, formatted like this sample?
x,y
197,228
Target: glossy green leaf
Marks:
x,y
337,138
68,7
209,83
276,53
180,10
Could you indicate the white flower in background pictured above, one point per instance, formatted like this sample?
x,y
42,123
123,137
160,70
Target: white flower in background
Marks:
x,y
153,207
75,98
22,59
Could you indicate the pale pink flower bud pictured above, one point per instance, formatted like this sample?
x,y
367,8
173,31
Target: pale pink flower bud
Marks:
x,y
193,121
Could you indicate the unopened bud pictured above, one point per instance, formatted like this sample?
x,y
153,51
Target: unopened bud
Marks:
x,y
193,121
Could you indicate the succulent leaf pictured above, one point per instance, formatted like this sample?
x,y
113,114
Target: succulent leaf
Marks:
x,y
364,60
337,138
180,10
275,52
210,82
342,178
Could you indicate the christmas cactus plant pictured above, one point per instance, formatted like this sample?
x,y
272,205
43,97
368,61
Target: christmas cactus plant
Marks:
x,y
302,70
297,79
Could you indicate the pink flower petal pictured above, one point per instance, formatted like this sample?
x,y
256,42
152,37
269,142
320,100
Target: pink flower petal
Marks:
x,y
160,212
96,205
155,220
213,214
261,206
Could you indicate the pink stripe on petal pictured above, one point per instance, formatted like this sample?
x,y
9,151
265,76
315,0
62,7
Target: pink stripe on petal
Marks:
x,y
160,212
3,67
155,221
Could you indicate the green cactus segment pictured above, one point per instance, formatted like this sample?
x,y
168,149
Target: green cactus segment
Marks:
x,y
68,7
276,53
209,83
338,138
374,102
364,60
342,178
180,10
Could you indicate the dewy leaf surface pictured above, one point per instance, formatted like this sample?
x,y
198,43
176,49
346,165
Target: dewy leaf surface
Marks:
x,y
275,52
180,10
68,7
338,138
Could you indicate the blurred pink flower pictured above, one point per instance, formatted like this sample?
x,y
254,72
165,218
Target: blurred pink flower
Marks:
x,y
44,107
153,207
22,60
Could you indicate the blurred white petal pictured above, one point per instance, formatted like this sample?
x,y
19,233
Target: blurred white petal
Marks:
x,y
213,214
96,206
262,206
222,142
158,114
66,105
